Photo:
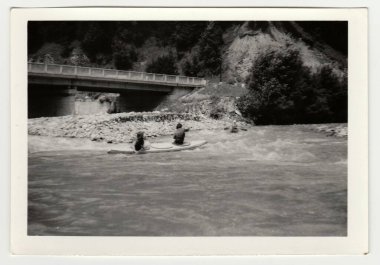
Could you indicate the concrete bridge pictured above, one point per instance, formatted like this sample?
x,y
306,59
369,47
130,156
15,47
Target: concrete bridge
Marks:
x,y
107,80
53,89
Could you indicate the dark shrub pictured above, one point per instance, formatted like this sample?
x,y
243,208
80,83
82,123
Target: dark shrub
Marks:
x,y
192,67
96,38
283,91
217,113
186,34
124,57
334,93
210,53
165,64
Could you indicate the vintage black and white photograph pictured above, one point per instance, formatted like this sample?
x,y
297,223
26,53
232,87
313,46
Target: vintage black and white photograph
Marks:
x,y
187,128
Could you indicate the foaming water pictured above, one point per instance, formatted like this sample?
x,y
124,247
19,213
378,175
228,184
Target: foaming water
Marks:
x,y
267,181
261,144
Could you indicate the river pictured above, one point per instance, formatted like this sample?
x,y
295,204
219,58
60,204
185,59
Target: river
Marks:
x,y
267,181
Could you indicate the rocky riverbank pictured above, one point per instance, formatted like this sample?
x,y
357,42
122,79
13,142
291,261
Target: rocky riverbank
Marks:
x,y
330,129
122,127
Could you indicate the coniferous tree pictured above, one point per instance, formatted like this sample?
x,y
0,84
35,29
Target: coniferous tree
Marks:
x,y
96,39
163,65
187,34
210,53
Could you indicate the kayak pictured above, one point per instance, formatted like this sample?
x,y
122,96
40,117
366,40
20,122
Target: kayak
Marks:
x,y
162,148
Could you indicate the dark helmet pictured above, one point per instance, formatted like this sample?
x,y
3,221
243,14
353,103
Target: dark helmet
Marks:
x,y
140,135
179,125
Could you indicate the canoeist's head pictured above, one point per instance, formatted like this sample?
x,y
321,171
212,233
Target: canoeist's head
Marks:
x,y
179,125
140,135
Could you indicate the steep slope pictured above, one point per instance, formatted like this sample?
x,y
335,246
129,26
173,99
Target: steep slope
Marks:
x,y
247,43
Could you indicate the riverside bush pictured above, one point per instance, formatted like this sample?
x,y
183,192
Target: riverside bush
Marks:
x,y
284,91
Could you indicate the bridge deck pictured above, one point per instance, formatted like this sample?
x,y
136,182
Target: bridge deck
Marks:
x,y
113,75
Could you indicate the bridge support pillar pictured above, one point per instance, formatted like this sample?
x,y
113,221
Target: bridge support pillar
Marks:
x,y
72,90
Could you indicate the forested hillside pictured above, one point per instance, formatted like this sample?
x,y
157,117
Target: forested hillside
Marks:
x,y
220,49
312,89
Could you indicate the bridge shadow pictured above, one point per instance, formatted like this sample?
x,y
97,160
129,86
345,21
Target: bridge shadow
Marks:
x,y
140,100
50,101
55,100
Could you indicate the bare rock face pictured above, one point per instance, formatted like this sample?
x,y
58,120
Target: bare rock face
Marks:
x,y
254,37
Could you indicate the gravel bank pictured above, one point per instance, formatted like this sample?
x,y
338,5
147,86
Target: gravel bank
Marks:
x,y
121,127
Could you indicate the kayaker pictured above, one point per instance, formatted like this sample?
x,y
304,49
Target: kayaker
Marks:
x,y
179,135
140,144
234,128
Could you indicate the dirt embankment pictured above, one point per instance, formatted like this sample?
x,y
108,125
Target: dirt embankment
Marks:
x,y
215,100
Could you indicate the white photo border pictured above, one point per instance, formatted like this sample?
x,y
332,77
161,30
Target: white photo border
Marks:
x,y
356,241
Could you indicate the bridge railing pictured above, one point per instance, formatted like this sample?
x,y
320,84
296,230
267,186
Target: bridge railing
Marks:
x,y
114,74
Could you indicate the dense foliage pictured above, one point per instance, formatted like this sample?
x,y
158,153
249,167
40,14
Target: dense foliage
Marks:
x,y
186,34
197,45
207,60
283,91
163,65
334,35
123,52
210,46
